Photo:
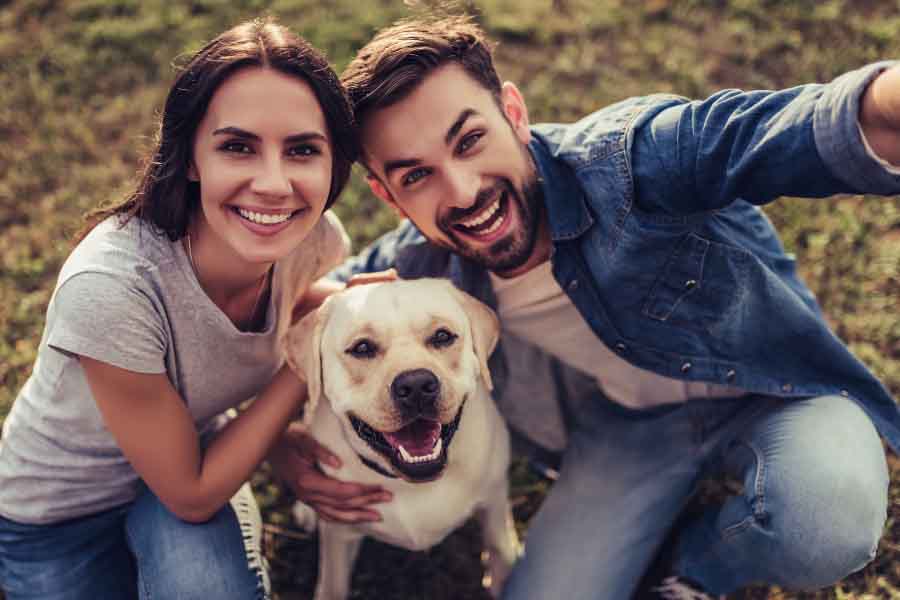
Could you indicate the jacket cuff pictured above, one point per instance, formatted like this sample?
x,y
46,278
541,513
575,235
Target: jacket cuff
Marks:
x,y
839,138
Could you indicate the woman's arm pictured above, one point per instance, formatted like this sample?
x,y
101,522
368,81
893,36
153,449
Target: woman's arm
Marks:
x,y
150,422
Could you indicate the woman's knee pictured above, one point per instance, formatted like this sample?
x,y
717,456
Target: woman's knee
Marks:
x,y
177,559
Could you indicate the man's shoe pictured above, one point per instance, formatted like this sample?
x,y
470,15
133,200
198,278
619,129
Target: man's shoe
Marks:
x,y
677,588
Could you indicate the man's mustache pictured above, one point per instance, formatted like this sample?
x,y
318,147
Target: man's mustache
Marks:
x,y
482,198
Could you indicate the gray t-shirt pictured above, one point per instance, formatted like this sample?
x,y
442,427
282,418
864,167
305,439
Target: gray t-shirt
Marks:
x,y
129,297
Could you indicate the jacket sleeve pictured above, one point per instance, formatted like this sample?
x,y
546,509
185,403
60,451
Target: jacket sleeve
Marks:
x,y
803,141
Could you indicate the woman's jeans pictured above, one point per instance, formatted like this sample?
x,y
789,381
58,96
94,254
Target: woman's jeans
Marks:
x,y
140,550
811,511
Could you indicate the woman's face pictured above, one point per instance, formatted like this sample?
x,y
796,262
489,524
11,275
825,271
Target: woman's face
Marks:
x,y
263,159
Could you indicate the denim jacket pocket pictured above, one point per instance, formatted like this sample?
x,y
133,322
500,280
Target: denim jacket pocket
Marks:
x,y
682,276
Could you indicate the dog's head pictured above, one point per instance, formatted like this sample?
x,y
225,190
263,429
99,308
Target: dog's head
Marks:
x,y
397,362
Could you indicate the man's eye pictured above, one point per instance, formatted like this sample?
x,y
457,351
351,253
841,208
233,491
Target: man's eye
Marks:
x,y
467,142
414,176
237,147
442,338
363,349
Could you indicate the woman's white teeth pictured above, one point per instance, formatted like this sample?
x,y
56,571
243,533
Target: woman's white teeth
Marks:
x,y
484,216
409,458
264,219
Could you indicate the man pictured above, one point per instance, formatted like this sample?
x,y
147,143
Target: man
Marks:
x,y
655,331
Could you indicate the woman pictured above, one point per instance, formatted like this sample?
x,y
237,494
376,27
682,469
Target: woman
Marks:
x,y
115,470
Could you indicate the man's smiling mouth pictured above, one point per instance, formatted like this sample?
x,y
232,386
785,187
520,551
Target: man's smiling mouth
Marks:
x,y
488,220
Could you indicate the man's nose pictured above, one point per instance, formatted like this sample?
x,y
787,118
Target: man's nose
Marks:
x,y
271,179
463,187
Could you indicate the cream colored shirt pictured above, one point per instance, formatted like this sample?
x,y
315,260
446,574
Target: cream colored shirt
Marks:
x,y
533,307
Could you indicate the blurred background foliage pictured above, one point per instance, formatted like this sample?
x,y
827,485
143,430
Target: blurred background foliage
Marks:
x,y
82,82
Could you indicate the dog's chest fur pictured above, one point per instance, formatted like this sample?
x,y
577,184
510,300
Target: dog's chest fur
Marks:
x,y
422,514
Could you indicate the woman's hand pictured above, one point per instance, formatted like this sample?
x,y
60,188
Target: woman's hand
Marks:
x,y
295,458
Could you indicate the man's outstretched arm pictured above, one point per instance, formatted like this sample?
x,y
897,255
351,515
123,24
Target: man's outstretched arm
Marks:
x,y
879,115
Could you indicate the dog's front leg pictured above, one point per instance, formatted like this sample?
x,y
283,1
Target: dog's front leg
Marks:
x,y
338,547
501,543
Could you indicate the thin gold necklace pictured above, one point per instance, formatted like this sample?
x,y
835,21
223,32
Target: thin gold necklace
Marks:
x,y
259,289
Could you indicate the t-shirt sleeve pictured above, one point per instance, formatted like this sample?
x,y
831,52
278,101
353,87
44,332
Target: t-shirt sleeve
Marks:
x,y
108,319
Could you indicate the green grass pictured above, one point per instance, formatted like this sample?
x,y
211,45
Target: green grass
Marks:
x,y
83,80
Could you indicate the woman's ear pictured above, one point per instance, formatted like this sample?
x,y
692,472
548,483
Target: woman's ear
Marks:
x,y
515,110
192,174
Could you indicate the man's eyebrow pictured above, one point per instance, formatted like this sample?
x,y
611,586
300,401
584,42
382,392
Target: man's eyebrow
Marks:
x,y
291,139
393,165
457,124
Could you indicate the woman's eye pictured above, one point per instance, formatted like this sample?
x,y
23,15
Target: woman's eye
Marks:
x,y
304,150
414,176
467,142
237,147
363,349
442,338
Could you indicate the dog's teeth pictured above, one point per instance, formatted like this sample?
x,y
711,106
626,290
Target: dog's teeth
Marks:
x,y
409,458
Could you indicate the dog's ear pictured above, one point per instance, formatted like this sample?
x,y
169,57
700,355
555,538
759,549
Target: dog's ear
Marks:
x,y
485,331
303,353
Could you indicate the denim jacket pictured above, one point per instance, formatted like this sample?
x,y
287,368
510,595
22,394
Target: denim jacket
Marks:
x,y
658,240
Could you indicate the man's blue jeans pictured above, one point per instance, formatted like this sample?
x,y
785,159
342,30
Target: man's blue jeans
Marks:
x,y
812,508
140,551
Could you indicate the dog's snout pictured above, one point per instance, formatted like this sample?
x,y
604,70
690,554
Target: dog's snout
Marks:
x,y
416,390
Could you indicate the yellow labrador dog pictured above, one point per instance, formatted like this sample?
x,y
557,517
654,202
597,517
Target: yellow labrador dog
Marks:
x,y
399,389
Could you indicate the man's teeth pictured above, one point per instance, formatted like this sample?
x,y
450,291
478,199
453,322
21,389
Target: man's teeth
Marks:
x,y
409,458
484,216
264,219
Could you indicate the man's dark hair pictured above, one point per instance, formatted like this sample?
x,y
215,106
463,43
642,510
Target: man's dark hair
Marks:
x,y
388,68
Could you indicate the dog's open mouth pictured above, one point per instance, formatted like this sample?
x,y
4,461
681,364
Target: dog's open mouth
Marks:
x,y
418,450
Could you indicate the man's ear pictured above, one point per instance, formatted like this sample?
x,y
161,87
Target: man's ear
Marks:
x,y
516,112
382,193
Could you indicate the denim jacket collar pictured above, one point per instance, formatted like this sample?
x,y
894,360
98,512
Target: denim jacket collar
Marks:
x,y
566,205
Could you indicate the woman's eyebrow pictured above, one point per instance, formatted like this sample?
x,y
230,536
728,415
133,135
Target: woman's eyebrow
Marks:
x,y
291,139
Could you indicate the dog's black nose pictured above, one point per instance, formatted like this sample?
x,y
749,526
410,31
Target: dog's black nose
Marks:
x,y
416,391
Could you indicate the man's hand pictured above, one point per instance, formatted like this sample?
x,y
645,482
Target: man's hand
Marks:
x,y
879,115
295,458
376,277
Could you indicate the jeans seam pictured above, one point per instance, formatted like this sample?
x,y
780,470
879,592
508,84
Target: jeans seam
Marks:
x,y
143,586
255,559
758,506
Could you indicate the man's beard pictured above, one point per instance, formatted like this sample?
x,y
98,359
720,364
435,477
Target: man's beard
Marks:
x,y
517,246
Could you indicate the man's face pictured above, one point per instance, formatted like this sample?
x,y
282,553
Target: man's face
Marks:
x,y
454,162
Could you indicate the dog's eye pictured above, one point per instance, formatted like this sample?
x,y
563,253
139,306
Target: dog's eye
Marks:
x,y
442,338
363,349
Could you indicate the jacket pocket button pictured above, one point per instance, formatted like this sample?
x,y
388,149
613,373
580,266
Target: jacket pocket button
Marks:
x,y
573,285
845,393
690,284
621,348
729,376
686,367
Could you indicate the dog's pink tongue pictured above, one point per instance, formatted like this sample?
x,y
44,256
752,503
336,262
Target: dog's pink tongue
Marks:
x,y
419,437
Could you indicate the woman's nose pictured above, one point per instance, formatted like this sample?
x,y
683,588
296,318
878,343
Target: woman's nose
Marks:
x,y
271,180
